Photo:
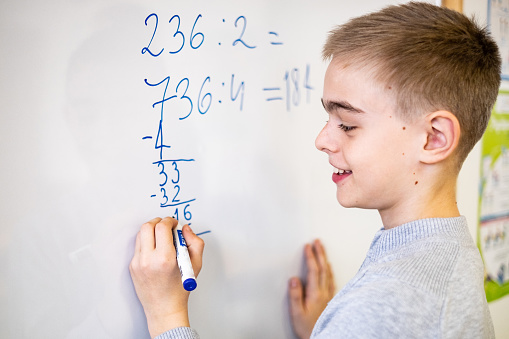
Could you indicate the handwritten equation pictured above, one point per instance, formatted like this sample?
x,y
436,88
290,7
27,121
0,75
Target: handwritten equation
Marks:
x,y
195,39
208,93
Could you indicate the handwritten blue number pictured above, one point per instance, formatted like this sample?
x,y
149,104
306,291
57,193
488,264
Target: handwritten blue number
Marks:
x,y
164,197
178,32
201,106
184,96
187,214
147,49
193,36
241,88
163,173
306,82
242,34
167,79
159,140
178,173
296,91
175,197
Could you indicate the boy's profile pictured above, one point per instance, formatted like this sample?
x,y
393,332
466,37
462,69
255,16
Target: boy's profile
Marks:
x,y
408,92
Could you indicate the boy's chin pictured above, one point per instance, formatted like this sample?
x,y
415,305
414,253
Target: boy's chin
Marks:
x,y
347,203
352,203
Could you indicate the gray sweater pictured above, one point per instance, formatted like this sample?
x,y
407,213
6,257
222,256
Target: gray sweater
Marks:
x,y
423,279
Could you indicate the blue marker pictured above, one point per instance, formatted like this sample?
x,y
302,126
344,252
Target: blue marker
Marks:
x,y
183,259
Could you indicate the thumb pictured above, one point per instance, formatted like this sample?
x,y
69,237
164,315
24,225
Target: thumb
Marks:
x,y
195,246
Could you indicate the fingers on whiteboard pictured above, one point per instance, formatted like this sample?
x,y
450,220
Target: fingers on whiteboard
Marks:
x,y
326,278
296,297
301,315
314,270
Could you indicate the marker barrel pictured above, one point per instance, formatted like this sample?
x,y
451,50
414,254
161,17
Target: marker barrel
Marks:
x,y
183,259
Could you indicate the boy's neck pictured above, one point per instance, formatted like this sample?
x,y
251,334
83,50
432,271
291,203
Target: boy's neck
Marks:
x,y
435,201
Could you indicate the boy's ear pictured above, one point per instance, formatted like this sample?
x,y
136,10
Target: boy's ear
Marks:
x,y
442,136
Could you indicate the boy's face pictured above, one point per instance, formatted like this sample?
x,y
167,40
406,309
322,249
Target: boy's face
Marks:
x,y
374,151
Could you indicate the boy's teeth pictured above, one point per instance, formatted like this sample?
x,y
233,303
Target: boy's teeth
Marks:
x,y
341,171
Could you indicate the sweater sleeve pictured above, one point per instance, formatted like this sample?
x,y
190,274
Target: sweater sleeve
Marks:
x,y
179,333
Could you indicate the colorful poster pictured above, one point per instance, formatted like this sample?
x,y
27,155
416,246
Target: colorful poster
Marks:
x,y
498,20
493,231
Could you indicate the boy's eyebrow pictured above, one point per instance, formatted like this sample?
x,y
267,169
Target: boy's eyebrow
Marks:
x,y
331,106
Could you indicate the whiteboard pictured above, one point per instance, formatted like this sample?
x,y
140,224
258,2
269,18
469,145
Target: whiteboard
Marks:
x,y
114,112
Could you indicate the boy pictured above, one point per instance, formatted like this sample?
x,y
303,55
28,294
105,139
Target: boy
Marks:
x,y
409,91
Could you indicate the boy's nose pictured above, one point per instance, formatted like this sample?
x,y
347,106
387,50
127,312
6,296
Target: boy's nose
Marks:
x,y
323,141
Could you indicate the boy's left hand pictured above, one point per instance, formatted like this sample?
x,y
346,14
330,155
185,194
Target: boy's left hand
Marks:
x,y
307,303
156,275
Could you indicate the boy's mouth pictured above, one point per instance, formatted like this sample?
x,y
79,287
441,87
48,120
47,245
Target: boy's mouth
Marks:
x,y
340,174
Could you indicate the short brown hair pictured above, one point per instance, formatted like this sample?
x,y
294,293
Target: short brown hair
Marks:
x,y
432,57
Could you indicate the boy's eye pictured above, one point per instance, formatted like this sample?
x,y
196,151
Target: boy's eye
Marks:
x,y
346,128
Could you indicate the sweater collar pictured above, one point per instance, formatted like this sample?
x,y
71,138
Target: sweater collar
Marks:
x,y
387,240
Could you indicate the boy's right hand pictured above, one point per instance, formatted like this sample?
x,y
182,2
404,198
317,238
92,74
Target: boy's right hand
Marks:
x,y
156,275
307,303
